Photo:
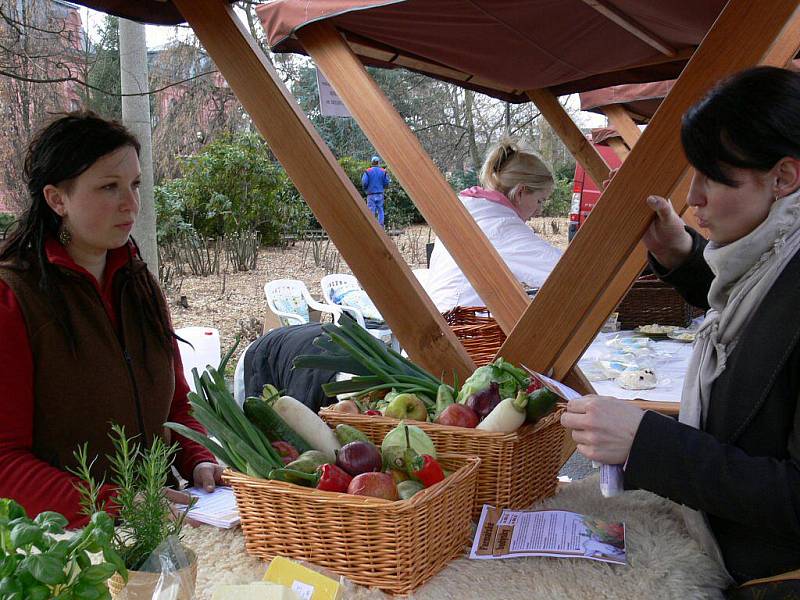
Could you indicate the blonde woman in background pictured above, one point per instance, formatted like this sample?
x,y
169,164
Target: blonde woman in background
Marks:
x,y
514,184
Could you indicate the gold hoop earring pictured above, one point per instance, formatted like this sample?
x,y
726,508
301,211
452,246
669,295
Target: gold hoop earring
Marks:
x,y
64,236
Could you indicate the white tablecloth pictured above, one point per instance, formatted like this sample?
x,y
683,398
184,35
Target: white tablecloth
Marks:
x,y
668,358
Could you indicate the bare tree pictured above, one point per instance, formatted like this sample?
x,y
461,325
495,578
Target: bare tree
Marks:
x,y
41,56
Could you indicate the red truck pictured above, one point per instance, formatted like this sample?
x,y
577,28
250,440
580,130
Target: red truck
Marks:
x,y
585,192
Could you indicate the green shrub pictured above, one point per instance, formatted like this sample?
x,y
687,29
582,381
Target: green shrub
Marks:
x,y
558,204
462,180
399,210
233,185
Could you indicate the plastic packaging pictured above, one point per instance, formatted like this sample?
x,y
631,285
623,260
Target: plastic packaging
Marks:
x,y
168,574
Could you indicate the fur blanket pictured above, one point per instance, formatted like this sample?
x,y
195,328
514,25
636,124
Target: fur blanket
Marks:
x,y
663,561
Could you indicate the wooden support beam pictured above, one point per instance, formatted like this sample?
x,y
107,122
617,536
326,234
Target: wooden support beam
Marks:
x,y
620,18
399,147
326,188
565,315
568,132
620,120
619,148
613,294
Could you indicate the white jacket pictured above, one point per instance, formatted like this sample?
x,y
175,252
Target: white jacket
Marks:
x,y
528,256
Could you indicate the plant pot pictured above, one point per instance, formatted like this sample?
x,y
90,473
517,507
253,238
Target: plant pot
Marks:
x,y
142,585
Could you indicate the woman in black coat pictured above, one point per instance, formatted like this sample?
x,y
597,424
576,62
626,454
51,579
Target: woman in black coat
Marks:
x,y
733,457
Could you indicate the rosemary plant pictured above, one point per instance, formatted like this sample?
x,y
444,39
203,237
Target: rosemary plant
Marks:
x,y
140,474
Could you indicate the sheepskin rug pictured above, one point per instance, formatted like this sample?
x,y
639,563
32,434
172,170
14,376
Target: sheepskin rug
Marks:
x,y
664,562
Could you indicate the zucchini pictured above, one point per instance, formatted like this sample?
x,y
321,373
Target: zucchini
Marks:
x,y
263,416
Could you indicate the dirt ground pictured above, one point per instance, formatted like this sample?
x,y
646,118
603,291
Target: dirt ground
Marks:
x,y
233,302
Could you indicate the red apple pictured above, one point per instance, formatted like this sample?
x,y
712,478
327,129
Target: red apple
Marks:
x,y
346,406
459,415
375,484
407,406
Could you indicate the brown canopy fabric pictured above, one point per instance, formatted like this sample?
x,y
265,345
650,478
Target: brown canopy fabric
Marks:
x,y
640,100
601,135
156,12
504,47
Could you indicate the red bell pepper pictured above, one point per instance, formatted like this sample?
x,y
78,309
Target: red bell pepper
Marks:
x,y
333,479
329,478
426,470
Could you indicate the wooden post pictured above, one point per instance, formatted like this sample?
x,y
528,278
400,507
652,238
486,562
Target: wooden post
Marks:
x,y
337,205
573,139
565,315
399,147
620,120
619,148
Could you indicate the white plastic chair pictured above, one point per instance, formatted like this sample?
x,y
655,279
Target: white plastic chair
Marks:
x,y
330,282
291,301
206,350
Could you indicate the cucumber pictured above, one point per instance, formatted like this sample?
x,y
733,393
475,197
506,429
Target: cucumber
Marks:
x,y
347,433
263,416
541,402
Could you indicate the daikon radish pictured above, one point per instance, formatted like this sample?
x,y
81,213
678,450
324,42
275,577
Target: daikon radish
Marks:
x,y
506,417
307,425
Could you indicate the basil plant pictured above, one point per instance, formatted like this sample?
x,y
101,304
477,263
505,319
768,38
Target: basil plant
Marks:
x,y
38,562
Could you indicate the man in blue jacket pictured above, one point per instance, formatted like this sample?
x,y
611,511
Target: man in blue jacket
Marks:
x,y
374,181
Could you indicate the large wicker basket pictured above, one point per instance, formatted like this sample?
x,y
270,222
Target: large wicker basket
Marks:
x,y
517,469
652,301
477,331
395,546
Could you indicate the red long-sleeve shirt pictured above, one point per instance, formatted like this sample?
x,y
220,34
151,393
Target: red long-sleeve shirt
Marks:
x,y
35,484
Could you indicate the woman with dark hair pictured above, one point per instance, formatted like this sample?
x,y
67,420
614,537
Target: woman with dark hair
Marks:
x,y
733,457
86,334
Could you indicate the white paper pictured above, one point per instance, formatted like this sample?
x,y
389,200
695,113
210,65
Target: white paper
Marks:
x,y
330,105
562,390
216,508
556,533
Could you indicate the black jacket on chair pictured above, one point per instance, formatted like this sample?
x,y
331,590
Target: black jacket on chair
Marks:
x,y
743,470
269,360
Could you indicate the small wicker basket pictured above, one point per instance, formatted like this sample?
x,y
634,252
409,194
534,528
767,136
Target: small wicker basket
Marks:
x,y
394,546
517,469
477,331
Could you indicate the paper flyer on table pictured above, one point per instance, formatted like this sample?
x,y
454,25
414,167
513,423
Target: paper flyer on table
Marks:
x,y
216,508
506,533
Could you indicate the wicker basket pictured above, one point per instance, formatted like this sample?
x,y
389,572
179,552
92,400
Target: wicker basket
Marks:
x,y
517,469
477,331
395,546
652,301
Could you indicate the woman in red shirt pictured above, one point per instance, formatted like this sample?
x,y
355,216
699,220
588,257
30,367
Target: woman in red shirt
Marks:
x,y
86,335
